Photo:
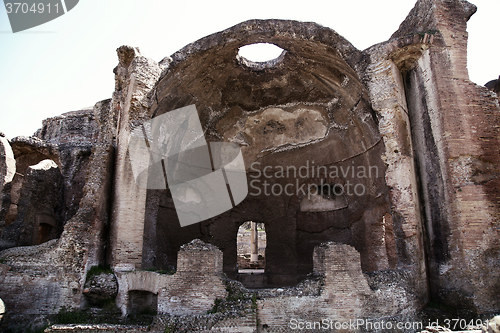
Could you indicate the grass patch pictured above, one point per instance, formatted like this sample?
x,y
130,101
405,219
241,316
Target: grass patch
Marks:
x,y
169,329
109,315
237,298
218,306
67,316
161,271
96,270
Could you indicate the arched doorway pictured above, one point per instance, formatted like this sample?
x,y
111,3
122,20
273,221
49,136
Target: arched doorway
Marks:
x,y
251,248
251,254
305,125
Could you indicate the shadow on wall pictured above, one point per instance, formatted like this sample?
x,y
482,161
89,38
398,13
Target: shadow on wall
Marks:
x,y
36,206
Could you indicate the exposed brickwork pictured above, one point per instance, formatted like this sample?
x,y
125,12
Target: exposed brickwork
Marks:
x,y
191,290
345,295
135,77
197,282
426,228
455,127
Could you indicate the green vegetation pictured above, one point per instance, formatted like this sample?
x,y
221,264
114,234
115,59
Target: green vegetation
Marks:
x,y
237,297
68,316
428,32
254,302
218,306
111,315
161,271
96,270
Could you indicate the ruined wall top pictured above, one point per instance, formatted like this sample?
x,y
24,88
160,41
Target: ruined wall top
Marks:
x,y
198,245
423,18
287,34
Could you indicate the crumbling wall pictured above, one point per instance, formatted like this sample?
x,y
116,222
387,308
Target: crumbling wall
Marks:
x,y
383,78
67,140
345,295
27,152
197,282
455,134
405,106
193,288
135,77
339,291
304,110
44,278
70,128
7,172
74,134
39,208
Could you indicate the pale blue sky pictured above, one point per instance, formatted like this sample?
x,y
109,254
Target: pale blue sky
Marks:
x,y
67,64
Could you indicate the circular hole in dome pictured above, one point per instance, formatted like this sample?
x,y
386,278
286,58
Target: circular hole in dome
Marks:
x,y
260,55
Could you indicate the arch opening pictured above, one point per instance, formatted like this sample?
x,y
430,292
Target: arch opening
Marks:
x,y
251,248
308,113
35,213
141,302
260,56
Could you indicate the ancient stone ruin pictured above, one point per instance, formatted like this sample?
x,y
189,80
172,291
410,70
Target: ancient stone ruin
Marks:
x,y
372,187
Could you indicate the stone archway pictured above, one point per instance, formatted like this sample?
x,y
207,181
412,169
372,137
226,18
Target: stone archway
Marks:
x,y
304,122
37,213
142,302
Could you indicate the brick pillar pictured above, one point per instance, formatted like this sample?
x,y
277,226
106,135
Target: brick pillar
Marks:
x,y
135,77
455,126
387,95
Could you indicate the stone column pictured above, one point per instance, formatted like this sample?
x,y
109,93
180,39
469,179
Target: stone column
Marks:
x,y
254,245
387,95
456,137
135,76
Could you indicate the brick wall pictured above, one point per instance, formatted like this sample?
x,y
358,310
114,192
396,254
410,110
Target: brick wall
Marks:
x,y
455,127
191,290
197,282
346,294
135,77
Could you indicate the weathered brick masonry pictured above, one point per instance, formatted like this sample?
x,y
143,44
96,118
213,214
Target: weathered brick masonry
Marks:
x,y
426,227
